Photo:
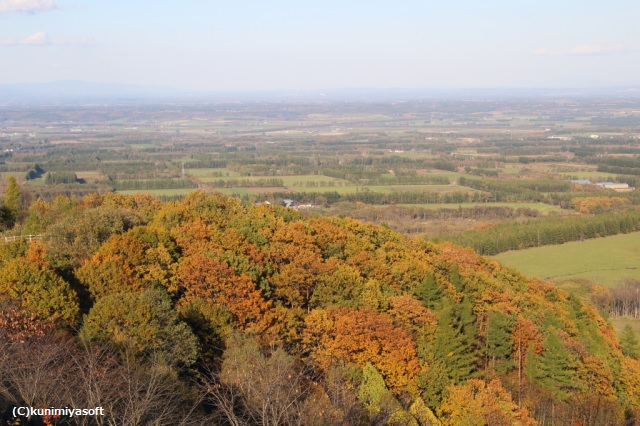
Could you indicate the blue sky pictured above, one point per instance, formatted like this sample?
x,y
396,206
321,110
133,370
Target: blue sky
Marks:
x,y
282,44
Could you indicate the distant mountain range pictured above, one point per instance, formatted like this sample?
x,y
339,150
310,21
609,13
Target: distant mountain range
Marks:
x,y
88,92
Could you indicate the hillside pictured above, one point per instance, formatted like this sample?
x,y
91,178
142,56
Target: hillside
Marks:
x,y
207,311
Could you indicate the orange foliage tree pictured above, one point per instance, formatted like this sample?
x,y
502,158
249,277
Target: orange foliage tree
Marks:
x,y
210,285
481,403
360,336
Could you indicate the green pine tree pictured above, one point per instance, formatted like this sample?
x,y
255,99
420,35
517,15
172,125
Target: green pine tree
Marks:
x,y
456,339
555,369
499,341
13,198
429,292
6,218
629,342
456,279
433,382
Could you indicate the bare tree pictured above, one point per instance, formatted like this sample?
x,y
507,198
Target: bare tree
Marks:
x,y
253,388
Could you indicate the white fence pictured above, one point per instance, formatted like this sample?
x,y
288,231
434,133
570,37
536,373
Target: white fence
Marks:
x,y
29,237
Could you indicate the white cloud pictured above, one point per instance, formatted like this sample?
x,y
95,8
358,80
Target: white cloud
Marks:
x,y
598,49
36,39
8,6
595,49
42,39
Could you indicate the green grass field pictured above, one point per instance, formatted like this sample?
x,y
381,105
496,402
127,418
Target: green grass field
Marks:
x,y
607,260
89,175
35,182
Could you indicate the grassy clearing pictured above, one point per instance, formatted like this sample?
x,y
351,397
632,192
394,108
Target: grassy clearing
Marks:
x,y
607,260
35,182
541,207
90,175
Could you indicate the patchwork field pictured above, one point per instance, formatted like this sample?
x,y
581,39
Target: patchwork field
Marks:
x,y
607,260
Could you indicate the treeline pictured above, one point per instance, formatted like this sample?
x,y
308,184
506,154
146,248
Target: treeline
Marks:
x,y
391,213
409,180
516,189
411,220
130,185
566,199
135,170
546,231
630,162
619,170
618,165
625,300
247,183
482,172
371,197
60,178
202,164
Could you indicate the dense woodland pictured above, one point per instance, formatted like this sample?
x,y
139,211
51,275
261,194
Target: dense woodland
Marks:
x,y
210,311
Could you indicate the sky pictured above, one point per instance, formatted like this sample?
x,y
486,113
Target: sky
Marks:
x,y
312,44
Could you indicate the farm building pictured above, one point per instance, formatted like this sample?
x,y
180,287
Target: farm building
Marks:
x,y
581,181
619,187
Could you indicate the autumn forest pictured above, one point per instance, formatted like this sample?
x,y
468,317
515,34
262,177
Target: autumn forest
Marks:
x,y
210,311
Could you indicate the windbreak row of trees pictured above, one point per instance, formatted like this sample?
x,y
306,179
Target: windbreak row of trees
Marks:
x,y
517,189
129,184
60,178
546,231
247,183
373,197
